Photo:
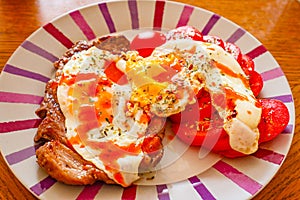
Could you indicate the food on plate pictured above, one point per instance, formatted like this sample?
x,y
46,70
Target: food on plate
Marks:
x,y
267,118
83,111
104,113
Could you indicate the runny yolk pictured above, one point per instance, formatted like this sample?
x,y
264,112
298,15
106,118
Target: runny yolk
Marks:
x,y
172,63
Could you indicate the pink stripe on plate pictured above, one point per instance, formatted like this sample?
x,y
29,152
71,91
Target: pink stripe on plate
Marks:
x,y
83,25
201,189
272,74
43,185
58,35
210,24
129,193
269,156
90,191
185,15
132,5
39,51
288,129
158,14
108,19
242,180
25,73
11,97
236,35
6,127
21,155
257,52
162,192
288,98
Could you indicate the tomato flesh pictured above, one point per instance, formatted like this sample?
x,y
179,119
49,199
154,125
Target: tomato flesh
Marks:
x,y
198,121
200,110
146,42
247,64
256,83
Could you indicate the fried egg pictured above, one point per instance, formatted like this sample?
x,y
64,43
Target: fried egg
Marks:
x,y
212,68
96,121
169,79
107,122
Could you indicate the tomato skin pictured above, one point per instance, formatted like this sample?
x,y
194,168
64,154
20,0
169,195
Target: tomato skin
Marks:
x,y
222,144
230,153
256,83
275,118
247,64
146,42
234,50
214,40
185,32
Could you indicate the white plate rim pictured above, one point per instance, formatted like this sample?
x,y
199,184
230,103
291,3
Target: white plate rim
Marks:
x,y
272,75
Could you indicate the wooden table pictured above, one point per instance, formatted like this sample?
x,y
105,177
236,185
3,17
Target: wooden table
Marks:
x,y
275,23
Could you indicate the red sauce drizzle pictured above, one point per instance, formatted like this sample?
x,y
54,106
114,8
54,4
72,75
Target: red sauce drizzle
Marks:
x,y
231,73
172,63
228,98
111,152
91,112
114,74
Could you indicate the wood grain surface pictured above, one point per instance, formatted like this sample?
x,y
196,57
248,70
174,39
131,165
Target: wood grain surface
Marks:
x,y
276,23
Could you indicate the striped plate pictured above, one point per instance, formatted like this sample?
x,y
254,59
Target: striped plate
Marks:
x,y
24,76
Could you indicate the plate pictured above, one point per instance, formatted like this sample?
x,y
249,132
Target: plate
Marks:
x,y
24,77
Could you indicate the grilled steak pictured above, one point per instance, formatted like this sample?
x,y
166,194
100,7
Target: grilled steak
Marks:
x,y
65,165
